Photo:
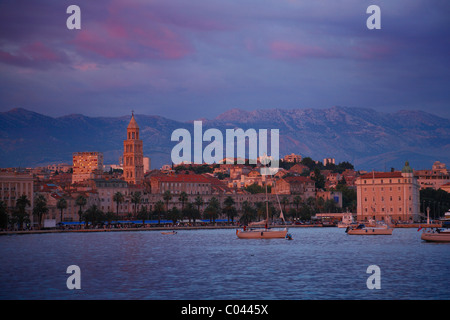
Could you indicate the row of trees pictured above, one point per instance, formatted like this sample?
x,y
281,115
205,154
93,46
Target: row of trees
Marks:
x,y
297,209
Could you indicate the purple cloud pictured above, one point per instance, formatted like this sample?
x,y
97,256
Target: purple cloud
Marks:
x,y
207,56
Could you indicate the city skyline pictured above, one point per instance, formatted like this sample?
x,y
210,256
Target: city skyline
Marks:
x,y
170,58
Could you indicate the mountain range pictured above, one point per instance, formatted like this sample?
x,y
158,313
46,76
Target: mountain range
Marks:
x,y
367,138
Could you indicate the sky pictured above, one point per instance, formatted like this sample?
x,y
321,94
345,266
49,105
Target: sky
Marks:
x,y
194,59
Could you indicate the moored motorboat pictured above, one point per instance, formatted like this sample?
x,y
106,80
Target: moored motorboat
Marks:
x,y
363,230
436,235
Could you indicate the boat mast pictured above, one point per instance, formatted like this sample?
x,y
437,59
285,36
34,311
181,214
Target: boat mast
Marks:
x,y
267,208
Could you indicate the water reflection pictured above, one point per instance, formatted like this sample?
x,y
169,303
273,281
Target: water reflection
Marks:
x,y
320,263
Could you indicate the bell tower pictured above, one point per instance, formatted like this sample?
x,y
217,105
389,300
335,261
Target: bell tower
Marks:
x,y
133,155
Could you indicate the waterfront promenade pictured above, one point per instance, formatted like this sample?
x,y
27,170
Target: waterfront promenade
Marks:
x,y
168,227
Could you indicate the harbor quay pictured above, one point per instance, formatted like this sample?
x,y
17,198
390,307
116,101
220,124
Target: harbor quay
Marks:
x,y
167,227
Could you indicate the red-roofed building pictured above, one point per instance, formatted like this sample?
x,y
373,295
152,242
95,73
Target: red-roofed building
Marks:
x,y
189,183
388,196
295,185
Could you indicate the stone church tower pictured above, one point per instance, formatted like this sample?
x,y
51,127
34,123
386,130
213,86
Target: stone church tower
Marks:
x,y
133,155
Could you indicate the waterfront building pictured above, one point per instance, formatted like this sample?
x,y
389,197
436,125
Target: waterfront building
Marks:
x,y
106,189
86,165
388,195
133,156
188,183
434,178
13,185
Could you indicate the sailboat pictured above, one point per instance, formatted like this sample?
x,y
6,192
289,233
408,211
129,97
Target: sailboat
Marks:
x,y
261,229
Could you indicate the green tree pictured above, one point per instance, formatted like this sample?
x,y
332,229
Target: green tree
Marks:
x,y
159,208
174,215
93,215
297,202
198,202
330,206
118,199
136,199
110,216
212,210
20,215
348,197
229,208
319,179
191,212
248,213
183,198
81,202
143,214
284,201
61,205
167,196
40,208
3,215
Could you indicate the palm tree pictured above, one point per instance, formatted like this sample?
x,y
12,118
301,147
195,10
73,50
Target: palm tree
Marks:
x,y
248,212
40,208
136,199
174,215
229,208
297,201
159,207
284,201
20,214
93,215
183,198
167,196
118,199
261,209
110,216
61,205
212,210
143,214
198,202
81,202
191,212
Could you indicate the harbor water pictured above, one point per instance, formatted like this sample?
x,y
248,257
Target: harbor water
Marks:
x,y
213,264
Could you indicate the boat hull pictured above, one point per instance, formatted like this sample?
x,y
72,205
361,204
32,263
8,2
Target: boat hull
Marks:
x,y
436,237
261,234
371,231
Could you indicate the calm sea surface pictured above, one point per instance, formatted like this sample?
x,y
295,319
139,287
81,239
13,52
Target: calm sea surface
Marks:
x,y
320,263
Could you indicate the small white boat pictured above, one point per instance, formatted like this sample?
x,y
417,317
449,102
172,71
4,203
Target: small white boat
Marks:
x,y
363,230
169,232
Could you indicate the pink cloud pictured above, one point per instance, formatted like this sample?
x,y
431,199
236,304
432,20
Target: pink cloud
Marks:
x,y
35,54
86,66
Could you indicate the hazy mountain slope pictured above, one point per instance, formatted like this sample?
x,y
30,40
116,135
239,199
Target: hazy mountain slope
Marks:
x,y
367,138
